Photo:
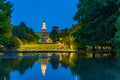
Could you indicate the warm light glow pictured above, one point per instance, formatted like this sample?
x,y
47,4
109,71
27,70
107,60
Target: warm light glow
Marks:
x,y
43,66
20,54
44,25
5,78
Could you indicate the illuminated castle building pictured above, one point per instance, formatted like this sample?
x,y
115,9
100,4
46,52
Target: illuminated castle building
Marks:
x,y
44,27
44,36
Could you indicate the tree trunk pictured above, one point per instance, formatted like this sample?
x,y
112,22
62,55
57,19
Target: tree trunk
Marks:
x,y
93,51
101,51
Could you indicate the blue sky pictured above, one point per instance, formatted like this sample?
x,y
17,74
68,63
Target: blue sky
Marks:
x,y
55,12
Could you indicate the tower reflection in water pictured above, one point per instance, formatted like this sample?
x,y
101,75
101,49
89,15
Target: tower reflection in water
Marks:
x,y
44,62
45,59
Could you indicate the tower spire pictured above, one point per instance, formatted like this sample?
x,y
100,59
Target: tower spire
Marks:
x,y
44,26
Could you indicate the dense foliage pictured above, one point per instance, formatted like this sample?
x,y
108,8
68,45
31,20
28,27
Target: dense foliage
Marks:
x,y
54,35
64,32
5,26
14,43
24,33
64,37
97,20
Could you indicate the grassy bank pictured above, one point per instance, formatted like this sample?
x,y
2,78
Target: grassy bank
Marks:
x,y
38,46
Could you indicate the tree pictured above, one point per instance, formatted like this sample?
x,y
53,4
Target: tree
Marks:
x,y
54,62
14,43
63,33
23,32
97,19
40,37
69,41
5,26
54,35
74,28
5,11
117,36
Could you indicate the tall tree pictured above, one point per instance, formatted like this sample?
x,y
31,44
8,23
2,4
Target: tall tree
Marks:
x,y
54,35
23,32
63,33
117,36
97,19
5,26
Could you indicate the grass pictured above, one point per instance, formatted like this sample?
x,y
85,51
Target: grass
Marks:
x,y
38,47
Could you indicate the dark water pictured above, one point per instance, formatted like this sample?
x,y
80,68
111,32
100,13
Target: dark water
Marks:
x,y
58,66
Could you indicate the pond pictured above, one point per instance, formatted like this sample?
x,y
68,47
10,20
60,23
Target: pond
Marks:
x,y
58,66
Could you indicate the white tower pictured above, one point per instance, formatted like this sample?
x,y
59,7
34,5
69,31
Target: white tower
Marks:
x,y
44,26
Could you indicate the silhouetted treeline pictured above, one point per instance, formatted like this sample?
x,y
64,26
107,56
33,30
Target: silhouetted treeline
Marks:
x,y
24,33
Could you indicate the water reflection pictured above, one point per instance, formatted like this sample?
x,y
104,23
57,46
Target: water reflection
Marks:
x,y
44,64
59,66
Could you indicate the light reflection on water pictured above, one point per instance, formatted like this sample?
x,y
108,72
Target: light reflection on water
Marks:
x,y
58,66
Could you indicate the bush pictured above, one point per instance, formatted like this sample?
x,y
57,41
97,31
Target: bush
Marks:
x,y
14,43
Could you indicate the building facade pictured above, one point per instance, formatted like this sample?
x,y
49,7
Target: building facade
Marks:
x,y
44,36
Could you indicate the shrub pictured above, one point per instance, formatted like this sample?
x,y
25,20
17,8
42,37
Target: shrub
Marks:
x,y
14,43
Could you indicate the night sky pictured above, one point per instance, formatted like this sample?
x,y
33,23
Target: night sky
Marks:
x,y
55,12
